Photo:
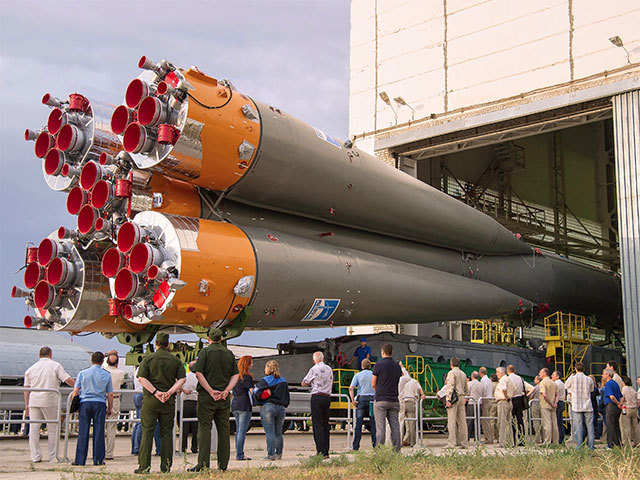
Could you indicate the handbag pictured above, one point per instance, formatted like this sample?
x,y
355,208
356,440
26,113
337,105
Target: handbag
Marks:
x,y
525,397
454,397
75,404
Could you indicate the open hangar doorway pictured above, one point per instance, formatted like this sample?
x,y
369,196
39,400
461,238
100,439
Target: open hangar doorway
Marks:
x,y
549,177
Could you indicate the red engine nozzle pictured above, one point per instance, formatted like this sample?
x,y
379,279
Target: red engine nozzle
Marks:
x,y
33,273
129,234
87,217
136,91
121,118
137,139
54,162
76,199
127,285
44,143
112,262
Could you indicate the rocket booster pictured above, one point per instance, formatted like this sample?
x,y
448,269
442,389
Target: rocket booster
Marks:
x,y
224,141
286,280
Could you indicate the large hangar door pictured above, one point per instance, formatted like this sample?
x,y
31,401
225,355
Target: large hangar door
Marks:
x,y
626,126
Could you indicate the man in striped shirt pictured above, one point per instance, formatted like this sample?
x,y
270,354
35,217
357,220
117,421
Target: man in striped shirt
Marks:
x,y
579,388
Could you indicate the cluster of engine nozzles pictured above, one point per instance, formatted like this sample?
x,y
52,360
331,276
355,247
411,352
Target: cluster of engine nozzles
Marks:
x,y
147,116
103,187
65,136
74,143
134,264
49,271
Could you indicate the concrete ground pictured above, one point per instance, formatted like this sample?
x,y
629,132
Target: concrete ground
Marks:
x,y
15,463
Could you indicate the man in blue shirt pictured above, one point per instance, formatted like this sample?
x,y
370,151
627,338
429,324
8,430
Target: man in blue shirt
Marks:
x,y
612,396
362,352
96,402
363,402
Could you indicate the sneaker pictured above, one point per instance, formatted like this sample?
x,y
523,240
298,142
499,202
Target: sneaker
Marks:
x,y
196,468
243,459
271,457
279,456
142,471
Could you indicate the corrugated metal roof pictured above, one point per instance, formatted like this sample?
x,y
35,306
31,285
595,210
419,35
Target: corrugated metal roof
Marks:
x,y
19,350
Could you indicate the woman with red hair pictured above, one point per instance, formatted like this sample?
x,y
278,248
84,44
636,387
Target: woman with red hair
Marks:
x,y
241,404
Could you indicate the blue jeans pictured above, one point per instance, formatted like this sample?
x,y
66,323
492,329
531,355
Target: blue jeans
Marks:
x,y
578,422
136,433
95,412
272,417
363,410
559,415
242,426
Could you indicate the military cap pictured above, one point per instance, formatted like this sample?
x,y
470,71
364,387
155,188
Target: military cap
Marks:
x,y
215,334
162,338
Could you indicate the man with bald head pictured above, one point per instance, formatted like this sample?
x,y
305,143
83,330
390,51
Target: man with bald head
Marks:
x,y
320,379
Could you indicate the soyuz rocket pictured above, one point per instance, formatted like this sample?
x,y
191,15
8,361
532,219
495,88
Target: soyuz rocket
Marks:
x,y
198,206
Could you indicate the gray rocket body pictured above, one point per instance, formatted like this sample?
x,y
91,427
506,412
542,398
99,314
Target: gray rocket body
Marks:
x,y
546,279
300,171
305,283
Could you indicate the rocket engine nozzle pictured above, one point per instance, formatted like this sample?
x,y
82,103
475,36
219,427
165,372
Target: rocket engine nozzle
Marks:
x,y
44,295
48,250
30,135
87,218
33,273
136,91
57,118
50,100
76,199
138,139
121,118
70,138
17,292
54,162
44,143
127,285
142,256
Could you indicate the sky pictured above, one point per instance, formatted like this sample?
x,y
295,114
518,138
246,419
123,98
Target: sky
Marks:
x,y
290,54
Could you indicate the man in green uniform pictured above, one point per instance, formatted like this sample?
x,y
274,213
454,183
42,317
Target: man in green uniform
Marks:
x,y
161,375
217,374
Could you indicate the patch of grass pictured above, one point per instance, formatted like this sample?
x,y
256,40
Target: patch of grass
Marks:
x,y
384,464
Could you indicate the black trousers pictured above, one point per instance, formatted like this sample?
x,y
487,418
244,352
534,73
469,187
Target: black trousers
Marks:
x,y
320,419
517,404
613,425
190,428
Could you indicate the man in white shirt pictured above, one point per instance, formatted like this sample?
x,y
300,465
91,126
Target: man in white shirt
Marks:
x,y
503,394
408,395
579,388
43,406
475,391
117,379
487,399
189,410
555,376
320,379
518,404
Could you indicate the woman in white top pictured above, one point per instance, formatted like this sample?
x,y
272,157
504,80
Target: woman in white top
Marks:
x,y
630,432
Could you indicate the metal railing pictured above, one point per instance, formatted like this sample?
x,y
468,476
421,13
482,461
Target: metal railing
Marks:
x,y
475,418
288,418
57,421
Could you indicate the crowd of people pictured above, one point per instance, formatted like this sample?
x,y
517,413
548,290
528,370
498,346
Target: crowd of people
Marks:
x,y
217,387
507,403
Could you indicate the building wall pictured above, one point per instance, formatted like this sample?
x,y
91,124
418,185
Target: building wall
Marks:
x,y
445,55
